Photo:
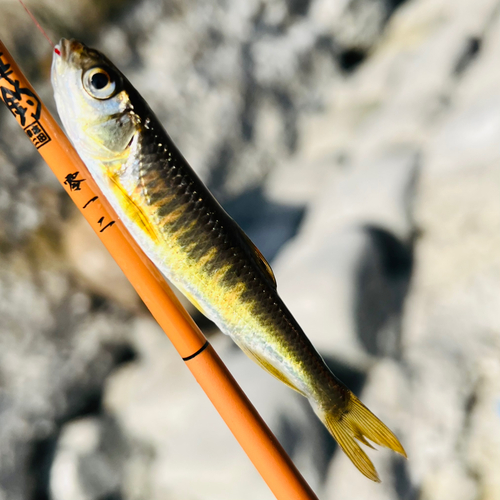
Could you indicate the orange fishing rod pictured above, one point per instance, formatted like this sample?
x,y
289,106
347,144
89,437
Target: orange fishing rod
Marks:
x,y
256,439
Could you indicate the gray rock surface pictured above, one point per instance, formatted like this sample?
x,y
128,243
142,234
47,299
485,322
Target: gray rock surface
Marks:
x,y
356,142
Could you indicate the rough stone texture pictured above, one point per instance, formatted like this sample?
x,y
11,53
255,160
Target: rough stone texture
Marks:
x,y
356,142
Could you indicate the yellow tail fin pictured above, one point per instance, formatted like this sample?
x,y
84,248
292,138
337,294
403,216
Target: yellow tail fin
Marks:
x,y
358,423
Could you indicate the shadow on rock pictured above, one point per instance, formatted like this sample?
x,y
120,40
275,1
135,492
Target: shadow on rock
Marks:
x,y
383,279
269,225
402,483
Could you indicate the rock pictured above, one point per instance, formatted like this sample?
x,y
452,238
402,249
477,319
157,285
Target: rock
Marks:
x,y
57,344
87,461
352,260
94,265
357,142
158,404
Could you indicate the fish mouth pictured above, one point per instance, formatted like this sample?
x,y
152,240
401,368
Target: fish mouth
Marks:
x,y
71,51
62,47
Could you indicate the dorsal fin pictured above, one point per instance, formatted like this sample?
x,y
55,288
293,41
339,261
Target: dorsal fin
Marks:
x,y
259,258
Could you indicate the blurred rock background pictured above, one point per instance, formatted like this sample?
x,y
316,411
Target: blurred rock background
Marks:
x,y
357,143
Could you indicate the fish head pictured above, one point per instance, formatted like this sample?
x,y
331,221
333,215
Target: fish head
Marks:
x,y
93,101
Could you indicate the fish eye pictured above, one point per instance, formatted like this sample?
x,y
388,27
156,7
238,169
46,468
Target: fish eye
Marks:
x,y
99,83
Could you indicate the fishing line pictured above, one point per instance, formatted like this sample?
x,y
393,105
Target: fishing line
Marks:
x,y
37,24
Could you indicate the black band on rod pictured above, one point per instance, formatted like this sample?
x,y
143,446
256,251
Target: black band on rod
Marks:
x,y
199,351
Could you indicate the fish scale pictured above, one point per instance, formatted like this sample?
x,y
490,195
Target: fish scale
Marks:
x,y
185,232
262,300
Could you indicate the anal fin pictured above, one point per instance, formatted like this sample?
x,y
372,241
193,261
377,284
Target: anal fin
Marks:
x,y
192,300
269,368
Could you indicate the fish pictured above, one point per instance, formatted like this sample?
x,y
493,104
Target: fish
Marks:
x,y
189,237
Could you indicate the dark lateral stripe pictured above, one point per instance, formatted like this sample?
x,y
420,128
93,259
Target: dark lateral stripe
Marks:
x,y
199,351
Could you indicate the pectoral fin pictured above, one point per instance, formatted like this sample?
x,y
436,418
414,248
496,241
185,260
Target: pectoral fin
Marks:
x,y
133,210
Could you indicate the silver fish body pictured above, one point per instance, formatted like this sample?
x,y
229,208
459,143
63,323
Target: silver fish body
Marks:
x,y
193,242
